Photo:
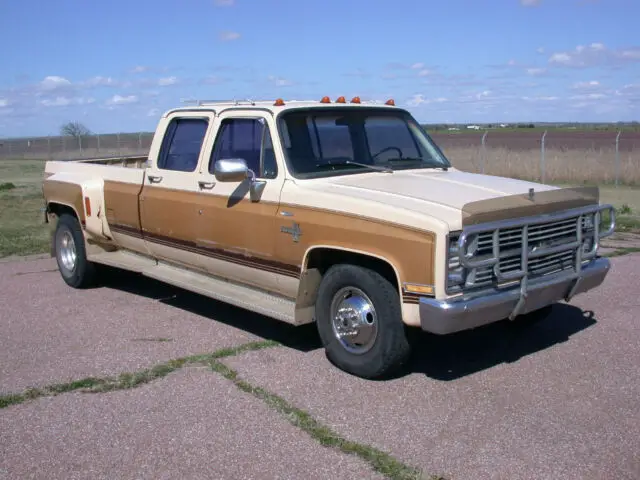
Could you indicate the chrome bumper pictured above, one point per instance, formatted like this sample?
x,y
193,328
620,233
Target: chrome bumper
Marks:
x,y
462,313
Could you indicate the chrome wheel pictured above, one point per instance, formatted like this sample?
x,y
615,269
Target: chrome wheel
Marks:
x,y
354,320
67,251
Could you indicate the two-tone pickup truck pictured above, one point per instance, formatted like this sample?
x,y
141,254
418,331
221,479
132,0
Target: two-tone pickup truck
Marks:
x,y
342,213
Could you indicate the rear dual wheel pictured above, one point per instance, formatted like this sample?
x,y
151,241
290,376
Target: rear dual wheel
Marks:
x,y
69,249
359,320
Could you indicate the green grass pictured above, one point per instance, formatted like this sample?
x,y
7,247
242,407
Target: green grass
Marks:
x,y
130,380
22,227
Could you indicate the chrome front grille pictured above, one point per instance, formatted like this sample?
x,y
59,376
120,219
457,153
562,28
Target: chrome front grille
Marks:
x,y
508,251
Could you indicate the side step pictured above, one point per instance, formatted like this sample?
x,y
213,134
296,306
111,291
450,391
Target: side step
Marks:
x,y
264,303
125,260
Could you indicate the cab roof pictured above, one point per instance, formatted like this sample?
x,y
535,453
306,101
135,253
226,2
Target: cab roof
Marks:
x,y
277,105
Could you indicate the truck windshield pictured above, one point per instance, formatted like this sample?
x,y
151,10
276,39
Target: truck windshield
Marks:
x,y
333,141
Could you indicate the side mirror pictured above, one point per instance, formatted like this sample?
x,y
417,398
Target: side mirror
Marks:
x,y
231,170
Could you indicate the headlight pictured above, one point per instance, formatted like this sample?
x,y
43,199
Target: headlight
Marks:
x,y
455,272
588,222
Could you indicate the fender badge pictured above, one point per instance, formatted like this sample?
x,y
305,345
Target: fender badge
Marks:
x,y
531,194
294,231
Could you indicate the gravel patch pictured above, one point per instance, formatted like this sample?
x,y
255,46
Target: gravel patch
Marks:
x,y
192,424
554,400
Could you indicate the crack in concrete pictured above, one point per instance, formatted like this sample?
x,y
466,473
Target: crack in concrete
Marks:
x,y
380,461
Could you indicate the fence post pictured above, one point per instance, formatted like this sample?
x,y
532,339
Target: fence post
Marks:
x,y
49,156
118,143
618,156
139,142
484,150
98,141
542,158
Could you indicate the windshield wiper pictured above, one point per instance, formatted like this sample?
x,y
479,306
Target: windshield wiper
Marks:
x,y
416,159
349,162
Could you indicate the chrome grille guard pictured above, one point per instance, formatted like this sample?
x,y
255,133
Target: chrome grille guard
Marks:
x,y
524,223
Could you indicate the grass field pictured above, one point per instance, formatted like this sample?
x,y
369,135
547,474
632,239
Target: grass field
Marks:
x,y
23,231
22,227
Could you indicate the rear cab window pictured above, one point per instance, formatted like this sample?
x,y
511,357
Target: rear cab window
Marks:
x,y
183,140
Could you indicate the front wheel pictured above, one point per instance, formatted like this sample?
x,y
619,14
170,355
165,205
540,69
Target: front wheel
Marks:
x,y
70,253
359,320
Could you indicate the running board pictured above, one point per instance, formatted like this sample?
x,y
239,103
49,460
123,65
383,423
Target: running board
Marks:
x,y
243,296
124,259
239,295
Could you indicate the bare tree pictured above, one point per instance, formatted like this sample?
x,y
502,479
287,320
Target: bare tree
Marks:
x,y
76,130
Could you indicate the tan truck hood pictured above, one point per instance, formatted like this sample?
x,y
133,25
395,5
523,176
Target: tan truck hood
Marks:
x,y
453,188
454,196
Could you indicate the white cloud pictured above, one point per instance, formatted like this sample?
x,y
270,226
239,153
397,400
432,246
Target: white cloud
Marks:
x,y
586,85
62,101
588,96
536,71
167,81
280,82
139,69
541,98
100,81
595,55
425,72
54,82
530,3
540,50
228,36
417,66
153,112
224,3
4,102
419,99
120,100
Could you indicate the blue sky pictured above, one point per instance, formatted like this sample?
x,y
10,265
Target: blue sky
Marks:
x,y
115,66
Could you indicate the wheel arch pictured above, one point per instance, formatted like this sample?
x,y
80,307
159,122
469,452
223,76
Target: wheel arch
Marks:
x,y
315,264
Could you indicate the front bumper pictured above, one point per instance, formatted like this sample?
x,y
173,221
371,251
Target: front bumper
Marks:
x,y
462,313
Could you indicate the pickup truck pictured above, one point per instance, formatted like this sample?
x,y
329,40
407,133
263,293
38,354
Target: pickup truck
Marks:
x,y
342,213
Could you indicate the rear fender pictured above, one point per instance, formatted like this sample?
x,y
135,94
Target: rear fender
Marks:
x,y
85,195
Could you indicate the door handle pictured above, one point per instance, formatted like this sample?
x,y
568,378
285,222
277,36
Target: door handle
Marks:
x,y
154,178
207,185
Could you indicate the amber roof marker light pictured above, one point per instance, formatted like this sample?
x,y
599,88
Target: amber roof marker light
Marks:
x,y
355,100
278,103
390,102
341,100
325,99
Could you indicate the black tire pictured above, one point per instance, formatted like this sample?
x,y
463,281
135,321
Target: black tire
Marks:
x,y
77,272
390,349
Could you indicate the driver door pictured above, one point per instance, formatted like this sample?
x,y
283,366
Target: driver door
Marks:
x,y
238,232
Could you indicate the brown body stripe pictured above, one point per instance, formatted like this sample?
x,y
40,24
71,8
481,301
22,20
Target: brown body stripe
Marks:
x,y
220,254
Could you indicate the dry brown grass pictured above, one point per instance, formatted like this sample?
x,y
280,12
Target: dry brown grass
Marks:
x,y
562,166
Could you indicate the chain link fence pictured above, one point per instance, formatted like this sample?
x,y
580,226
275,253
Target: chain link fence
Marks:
x,y
73,148
552,156
548,156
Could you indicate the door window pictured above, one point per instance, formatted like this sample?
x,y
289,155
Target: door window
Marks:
x,y
249,139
